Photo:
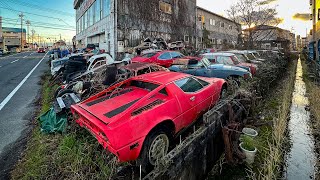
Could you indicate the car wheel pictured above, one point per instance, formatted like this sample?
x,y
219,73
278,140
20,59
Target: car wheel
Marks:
x,y
155,147
224,92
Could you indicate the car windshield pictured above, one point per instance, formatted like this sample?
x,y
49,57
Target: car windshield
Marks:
x,y
235,60
250,56
144,85
241,58
205,62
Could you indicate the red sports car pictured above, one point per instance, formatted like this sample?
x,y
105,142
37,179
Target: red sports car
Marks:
x,y
139,117
230,59
162,58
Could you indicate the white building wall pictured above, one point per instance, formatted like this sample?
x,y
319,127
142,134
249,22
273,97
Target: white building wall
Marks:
x,y
101,32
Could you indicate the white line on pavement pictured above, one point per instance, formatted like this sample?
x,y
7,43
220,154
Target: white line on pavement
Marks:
x,y
25,56
14,61
7,99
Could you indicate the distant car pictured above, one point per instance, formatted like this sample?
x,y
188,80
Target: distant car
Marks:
x,y
163,58
206,69
41,50
247,57
137,119
230,59
207,50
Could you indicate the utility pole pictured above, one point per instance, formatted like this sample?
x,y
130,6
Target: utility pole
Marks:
x,y
60,36
39,40
28,24
32,32
21,17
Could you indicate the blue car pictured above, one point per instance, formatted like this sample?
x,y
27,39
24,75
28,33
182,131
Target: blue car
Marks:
x,y
206,69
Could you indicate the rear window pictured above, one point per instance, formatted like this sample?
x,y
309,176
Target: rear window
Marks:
x,y
144,85
41,49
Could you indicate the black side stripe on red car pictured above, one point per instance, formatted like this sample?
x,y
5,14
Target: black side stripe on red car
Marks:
x,y
109,96
120,109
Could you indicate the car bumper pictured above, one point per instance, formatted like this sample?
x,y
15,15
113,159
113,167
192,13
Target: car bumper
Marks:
x,y
126,153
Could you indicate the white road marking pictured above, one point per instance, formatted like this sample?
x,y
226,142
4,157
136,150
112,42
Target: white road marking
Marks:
x,y
7,99
25,56
14,61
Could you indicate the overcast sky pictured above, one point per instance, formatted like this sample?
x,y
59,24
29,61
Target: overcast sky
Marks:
x,y
64,18
286,9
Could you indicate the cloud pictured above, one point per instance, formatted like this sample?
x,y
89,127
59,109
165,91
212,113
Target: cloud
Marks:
x,y
265,2
302,17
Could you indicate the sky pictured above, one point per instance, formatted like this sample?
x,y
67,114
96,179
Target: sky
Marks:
x,y
286,9
59,14
55,16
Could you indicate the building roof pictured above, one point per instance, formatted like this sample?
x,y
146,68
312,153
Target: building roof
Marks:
x,y
14,30
216,14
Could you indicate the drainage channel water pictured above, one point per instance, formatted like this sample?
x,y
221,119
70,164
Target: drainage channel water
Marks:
x,y
301,159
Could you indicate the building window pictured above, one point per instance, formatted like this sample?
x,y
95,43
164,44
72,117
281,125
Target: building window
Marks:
x,y
97,10
101,9
106,7
222,24
200,39
186,38
212,22
165,7
213,41
230,27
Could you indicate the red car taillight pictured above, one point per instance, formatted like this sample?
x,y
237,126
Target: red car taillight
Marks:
x,y
103,136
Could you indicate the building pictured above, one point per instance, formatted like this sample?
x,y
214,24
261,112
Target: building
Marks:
x,y
299,42
304,42
12,37
271,37
314,44
222,32
114,25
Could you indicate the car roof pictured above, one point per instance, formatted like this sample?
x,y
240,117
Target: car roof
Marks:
x,y
220,54
162,77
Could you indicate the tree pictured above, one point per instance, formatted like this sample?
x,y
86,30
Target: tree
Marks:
x,y
251,14
205,37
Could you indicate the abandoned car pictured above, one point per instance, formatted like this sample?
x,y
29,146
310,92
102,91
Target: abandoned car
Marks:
x,y
138,119
206,69
230,59
163,58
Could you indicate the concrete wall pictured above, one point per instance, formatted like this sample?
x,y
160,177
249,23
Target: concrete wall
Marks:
x,y
139,19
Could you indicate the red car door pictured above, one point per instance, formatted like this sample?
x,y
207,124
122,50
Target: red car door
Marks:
x,y
190,98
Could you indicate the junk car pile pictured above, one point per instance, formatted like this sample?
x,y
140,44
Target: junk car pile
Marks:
x,y
136,107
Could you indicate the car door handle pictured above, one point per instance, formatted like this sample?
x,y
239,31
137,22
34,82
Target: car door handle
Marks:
x,y
192,98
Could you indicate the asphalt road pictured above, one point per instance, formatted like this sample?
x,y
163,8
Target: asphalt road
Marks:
x,y
19,77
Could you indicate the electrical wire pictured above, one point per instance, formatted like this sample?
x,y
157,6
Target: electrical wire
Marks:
x,y
41,8
35,14
47,27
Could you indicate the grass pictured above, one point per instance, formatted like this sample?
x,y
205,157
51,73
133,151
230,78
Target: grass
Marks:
x,y
272,138
313,92
63,156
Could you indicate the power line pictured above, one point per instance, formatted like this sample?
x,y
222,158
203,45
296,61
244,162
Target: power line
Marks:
x,y
48,27
36,14
42,8
41,23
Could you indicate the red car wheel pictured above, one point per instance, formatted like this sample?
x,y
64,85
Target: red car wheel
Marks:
x,y
155,147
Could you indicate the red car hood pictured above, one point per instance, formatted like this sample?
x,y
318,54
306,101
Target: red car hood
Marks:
x,y
140,59
109,109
